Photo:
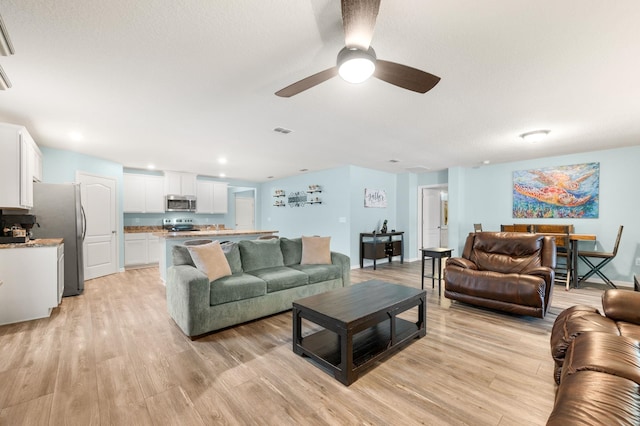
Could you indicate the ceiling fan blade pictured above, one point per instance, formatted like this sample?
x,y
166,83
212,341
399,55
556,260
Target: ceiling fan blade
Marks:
x,y
359,19
406,77
307,83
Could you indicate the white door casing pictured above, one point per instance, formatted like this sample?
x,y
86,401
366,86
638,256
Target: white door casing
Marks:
x,y
245,213
98,196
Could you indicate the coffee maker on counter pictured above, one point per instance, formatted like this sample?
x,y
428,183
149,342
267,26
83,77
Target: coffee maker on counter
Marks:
x,y
16,228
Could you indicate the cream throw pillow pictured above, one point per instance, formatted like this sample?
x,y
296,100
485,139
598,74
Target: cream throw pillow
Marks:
x,y
210,259
316,251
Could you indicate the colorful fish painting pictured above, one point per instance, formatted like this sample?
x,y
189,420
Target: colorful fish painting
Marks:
x,y
557,192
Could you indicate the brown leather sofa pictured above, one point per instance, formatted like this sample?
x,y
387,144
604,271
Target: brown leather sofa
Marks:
x,y
598,362
508,271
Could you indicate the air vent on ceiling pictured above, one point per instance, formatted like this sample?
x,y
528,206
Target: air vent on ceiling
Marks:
x,y
282,130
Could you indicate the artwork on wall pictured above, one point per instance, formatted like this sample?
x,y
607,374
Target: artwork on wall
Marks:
x,y
297,199
375,198
557,192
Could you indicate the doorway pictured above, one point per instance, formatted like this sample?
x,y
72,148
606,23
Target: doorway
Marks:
x,y
434,217
245,213
98,195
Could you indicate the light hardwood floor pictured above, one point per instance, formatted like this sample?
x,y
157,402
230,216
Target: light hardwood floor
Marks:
x,y
113,356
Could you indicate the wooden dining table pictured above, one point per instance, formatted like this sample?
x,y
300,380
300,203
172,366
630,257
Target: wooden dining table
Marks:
x,y
574,239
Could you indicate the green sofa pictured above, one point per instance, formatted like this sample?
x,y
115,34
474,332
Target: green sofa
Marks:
x,y
266,278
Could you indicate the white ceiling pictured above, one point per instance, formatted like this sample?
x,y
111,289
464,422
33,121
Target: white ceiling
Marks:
x,y
178,83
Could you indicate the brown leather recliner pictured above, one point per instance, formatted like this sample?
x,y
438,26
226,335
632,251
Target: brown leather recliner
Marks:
x,y
598,362
509,271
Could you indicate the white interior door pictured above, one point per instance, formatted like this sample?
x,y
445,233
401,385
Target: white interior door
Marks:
x,y
431,218
98,196
245,213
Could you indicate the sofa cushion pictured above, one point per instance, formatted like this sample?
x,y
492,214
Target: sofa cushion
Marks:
x,y
594,398
316,251
503,252
260,254
319,273
180,255
526,290
291,250
210,259
236,287
281,278
232,252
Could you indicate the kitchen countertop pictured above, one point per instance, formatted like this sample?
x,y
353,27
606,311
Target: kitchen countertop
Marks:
x,y
211,233
40,242
151,229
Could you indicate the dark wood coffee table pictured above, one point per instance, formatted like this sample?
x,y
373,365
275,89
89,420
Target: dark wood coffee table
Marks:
x,y
360,325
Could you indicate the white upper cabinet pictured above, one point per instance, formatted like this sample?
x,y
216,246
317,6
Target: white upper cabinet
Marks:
x,y
177,183
154,194
211,196
143,193
20,165
220,197
204,196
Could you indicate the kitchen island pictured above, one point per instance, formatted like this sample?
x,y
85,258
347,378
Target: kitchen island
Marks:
x,y
170,239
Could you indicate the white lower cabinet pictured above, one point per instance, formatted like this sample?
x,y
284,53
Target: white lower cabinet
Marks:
x,y
32,282
141,249
153,249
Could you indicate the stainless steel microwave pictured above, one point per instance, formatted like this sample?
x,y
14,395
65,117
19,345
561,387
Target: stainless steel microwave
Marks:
x,y
180,203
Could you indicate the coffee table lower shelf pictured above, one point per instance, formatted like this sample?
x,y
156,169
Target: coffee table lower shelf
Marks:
x,y
368,346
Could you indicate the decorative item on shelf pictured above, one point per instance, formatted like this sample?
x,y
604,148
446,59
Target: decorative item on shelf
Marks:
x,y
279,193
315,200
383,230
314,188
279,203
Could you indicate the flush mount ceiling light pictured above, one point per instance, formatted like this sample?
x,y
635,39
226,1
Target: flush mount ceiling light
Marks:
x,y
355,65
535,136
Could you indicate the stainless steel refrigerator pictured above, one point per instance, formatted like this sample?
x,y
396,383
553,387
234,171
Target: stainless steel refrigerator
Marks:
x,y
60,214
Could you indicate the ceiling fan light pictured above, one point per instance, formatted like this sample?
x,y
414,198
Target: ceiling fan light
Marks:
x,y
535,136
355,65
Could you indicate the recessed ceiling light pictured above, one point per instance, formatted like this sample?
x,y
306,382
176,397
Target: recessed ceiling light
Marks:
x,y
485,162
535,135
222,175
76,136
222,160
151,166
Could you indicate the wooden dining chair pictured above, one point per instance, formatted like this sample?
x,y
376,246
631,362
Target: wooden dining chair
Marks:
x,y
603,258
517,227
564,267
477,227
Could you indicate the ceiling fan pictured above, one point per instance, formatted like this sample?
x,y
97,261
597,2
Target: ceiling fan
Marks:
x,y
357,60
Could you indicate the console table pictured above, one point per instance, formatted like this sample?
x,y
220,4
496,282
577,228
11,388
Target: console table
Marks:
x,y
381,246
